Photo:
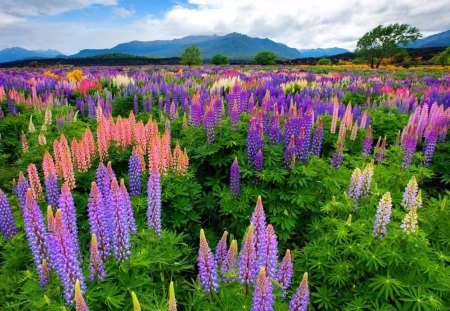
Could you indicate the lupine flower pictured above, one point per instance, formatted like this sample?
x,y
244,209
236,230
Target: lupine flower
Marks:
x,y
409,224
356,183
67,208
207,266
103,181
80,304
430,144
317,139
7,225
136,304
302,145
259,161
274,130
64,258
410,194
221,251
23,140
409,148
128,207
252,140
172,300
289,153
99,221
22,188
135,174
235,179
209,123
43,274
96,268
234,117
230,265
368,141
300,299
381,151
262,297
270,258
335,116
247,259
52,190
383,215
35,231
50,219
336,160
120,223
366,177
154,199
35,183
284,274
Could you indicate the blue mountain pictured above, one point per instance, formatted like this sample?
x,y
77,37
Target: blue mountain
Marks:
x,y
322,52
16,53
439,39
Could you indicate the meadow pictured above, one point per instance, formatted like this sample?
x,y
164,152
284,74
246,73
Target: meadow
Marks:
x,y
224,188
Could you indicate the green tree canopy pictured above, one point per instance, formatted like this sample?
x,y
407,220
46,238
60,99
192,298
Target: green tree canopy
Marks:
x,y
265,58
384,41
443,58
219,59
191,56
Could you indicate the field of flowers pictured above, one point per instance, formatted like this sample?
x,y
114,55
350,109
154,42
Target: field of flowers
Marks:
x,y
221,188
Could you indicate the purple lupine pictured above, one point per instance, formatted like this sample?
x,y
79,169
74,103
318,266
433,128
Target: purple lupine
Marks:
x,y
410,194
263,296
336,160
316,147
234,117
368,142
409,148
379,157
366,177
128,206
247,259
258,221
270,260
136,105
301,145
430,144
67,208
209,122
22,188
383,215
235,179
356,184
230,266
7,225
252,140
96,268
135,174
35,231
409,223
274,129
259,161
221,251
154,199
289,153
43,274
300,299
64,258
207,266
52,190
120,223
284,274
99,222
103,181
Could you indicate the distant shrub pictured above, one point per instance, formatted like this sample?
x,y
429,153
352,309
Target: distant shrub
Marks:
x,y
324,62
191,56
442,58
219,60
265,58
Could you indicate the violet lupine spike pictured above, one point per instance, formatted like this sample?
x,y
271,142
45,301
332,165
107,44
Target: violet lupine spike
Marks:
x,y
270,260
235,179
284,274
209,122
366,180
381,152
409,149
410,194
128,207
263,296
64,258
52,190
383,215
259,161
22,188
103,181
80,304
35,231
43,274
221,251
368,142
99,222
135,174
289,153
355,187
430,144
207,266
252,140
337,158
274,130
316,147
120,224
96,268
7,225
154,200
229,268
300,299
68,214
247,259
258,221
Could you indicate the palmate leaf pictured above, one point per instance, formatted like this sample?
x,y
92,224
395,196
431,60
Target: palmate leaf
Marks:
x,y
358,303
324,298
386,286
419,299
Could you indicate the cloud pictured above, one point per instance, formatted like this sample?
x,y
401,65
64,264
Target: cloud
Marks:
x,y
122,12
48,7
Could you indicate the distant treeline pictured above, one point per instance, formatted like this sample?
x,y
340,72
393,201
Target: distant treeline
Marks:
x,y
117,59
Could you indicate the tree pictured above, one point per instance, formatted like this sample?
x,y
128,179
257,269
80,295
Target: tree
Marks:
x,y
324,62
219,60
443,58
265,58
191,56
384,41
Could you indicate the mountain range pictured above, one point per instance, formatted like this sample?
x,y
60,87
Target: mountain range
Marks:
x,y
233,45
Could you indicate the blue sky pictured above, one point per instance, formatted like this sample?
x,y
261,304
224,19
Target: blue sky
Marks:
x,y
72,25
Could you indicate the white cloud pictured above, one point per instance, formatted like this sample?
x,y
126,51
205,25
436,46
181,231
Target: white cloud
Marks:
x,y
48,7
122,12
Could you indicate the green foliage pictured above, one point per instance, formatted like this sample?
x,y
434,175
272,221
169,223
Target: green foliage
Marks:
x,y
443,58
219,60
265,58
191,56
383,41
324,62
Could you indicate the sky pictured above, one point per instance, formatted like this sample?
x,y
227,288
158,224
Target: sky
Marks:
x,y
71,25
